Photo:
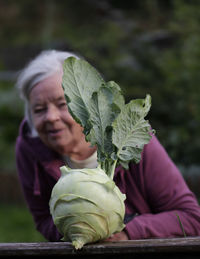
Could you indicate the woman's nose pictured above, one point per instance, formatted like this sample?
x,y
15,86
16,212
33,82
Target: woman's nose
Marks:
x,y
52,114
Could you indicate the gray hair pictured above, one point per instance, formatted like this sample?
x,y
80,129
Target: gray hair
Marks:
x,y
41,67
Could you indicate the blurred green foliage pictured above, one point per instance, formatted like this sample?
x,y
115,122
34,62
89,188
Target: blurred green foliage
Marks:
x,y
147,46
17,225
11,110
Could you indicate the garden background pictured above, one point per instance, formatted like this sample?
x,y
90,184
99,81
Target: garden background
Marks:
x,y
149,46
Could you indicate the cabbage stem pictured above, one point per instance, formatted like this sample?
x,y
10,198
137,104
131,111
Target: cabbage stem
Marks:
x,y
109,168
112,170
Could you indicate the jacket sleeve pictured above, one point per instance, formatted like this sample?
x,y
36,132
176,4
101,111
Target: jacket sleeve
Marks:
x,y
37,204
174,208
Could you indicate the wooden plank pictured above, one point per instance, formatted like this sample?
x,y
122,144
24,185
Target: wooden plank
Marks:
x,y
188,247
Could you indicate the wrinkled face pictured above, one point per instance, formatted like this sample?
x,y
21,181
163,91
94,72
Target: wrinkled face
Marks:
x,y
51,118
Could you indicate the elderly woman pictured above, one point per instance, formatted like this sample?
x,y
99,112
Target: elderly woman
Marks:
x,y
156,193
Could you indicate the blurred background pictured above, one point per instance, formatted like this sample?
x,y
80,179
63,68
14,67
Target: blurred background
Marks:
x,y
148,46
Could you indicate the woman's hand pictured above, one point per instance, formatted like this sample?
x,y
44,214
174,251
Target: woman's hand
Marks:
x,y
118,237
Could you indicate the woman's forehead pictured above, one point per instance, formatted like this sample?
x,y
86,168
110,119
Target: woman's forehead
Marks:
x,y
48,89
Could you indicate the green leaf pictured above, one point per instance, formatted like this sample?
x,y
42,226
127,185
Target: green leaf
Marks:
x,y
131,131
118,130
103,111
80,80
118,98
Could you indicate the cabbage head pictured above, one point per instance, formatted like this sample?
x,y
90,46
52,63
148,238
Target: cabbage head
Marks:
x,y
86,206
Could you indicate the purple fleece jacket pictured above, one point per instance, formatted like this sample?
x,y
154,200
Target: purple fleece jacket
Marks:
x,y
155,190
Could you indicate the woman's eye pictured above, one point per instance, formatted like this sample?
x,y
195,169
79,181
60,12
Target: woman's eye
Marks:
x,y
63,104
39,110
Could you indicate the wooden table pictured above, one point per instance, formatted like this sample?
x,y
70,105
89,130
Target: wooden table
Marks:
x,y
188,247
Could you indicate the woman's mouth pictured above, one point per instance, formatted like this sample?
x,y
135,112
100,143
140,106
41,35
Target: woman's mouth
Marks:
x,y
54,132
